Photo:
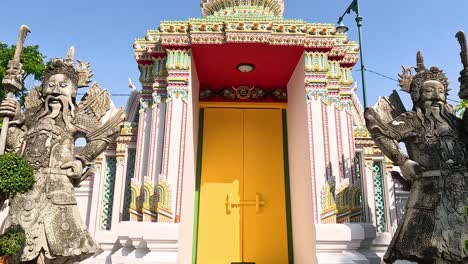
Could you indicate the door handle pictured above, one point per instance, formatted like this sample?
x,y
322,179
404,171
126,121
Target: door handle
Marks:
x,y
258,202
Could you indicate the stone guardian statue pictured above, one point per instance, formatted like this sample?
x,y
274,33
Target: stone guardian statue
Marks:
x,y
44,134
434,227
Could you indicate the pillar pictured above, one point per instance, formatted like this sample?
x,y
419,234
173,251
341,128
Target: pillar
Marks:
x,y
158,112
119,185
98,189
178,67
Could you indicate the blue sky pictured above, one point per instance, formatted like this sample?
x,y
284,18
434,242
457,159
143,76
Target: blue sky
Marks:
x,y
103,32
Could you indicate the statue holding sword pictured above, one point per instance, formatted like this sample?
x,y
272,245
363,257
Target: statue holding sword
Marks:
x,y
44,134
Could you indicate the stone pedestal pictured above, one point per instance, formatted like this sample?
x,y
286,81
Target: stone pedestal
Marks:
x,y
138,242
350,243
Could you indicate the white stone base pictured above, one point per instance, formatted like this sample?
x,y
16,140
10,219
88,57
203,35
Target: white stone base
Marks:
x,y
157,243
139,243
350,243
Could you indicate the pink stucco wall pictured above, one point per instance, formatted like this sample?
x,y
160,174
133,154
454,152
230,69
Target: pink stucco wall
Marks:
x,y
300,169
190,165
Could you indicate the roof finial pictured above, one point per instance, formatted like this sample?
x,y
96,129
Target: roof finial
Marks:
x,y
131,85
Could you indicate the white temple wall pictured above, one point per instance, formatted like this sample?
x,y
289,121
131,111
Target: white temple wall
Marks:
x,y
142,124
97,198
146,143
333,143
190,170
364,183
83,198
159,142
347,149
153,144
302,211
174,137
119,186
369,185
390,202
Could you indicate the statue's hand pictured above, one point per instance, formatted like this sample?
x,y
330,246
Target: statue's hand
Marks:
x,y
411,170
9,108
74,169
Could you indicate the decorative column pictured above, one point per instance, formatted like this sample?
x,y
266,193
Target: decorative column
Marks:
x,y
108,195
128,140
316,67
390,195
178,67
363,172
146,68
131,157
368,185
158,113
332,101
378,170
98,189
119,185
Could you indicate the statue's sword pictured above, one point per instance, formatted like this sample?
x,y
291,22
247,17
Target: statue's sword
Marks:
x,y
464,59
13,81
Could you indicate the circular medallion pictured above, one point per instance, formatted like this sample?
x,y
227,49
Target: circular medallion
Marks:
x,y
243,92
65,226
28,204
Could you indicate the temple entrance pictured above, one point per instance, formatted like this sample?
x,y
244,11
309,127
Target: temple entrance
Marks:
x,y
242,207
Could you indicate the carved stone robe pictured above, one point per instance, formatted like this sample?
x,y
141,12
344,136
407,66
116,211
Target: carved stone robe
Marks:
x,y
434,225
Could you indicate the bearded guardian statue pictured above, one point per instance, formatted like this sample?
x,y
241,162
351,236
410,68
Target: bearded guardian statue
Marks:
x,y
434,226
44,134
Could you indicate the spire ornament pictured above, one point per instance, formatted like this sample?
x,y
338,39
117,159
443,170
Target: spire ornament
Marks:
x,y
226,7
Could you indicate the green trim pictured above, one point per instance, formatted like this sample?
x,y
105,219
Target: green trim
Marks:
x,y
197,185
111,167
287,187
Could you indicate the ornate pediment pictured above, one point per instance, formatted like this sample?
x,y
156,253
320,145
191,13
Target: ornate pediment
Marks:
x,y
236,7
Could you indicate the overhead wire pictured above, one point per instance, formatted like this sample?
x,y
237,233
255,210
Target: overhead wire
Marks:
x,y
393,79
367,70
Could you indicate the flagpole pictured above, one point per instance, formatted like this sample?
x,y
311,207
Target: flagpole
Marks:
x,y
354,6
363,69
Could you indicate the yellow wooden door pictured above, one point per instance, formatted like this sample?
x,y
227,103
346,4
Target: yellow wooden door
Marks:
x,y
219,235
264,230
242,213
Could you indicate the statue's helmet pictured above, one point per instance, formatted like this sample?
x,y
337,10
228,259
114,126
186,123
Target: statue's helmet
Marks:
x,y
79,75
413,84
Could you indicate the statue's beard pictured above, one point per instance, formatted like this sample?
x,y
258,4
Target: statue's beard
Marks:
x,y
55,106
432,112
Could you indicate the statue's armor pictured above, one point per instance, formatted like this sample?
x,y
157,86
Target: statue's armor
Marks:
x,y
45,139
439,148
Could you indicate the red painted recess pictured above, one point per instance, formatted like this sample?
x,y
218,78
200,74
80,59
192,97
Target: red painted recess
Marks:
x,y
217,65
